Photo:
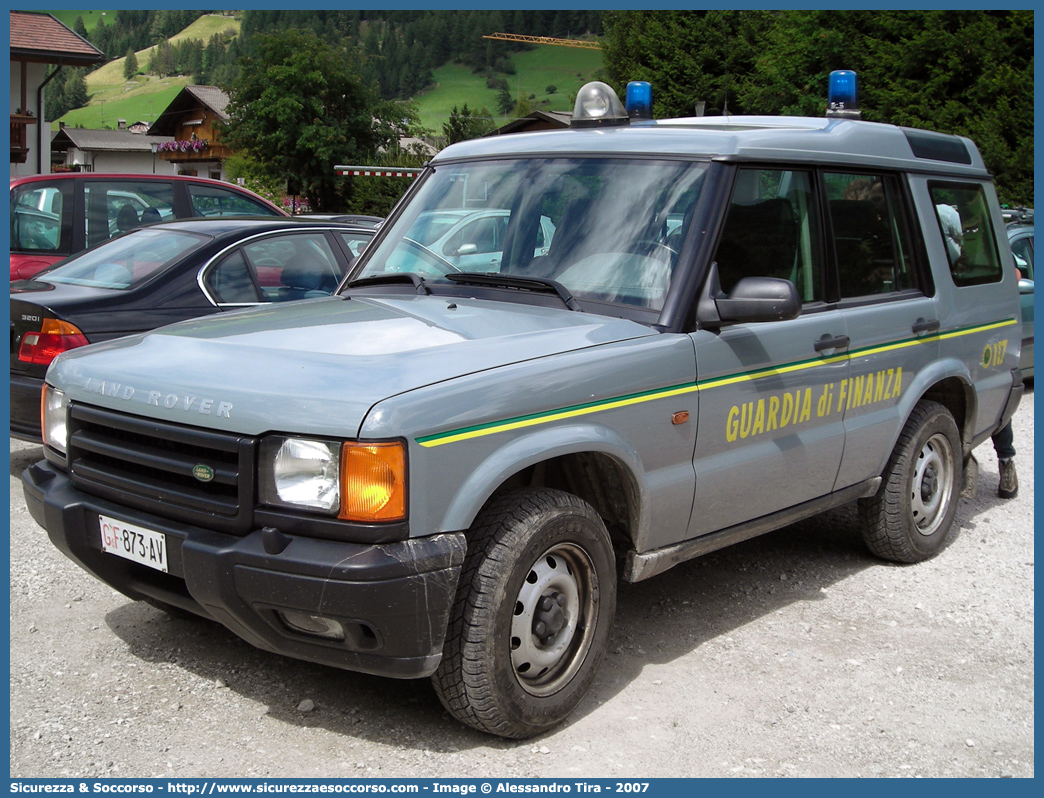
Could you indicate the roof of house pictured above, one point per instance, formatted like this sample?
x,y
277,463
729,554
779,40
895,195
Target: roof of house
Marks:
x,y
537,120
39,37
108,140
189,98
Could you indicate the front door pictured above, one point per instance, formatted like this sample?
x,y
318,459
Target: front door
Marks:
x,y
771,421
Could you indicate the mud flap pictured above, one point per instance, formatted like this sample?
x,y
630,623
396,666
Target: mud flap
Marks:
x,y
971,477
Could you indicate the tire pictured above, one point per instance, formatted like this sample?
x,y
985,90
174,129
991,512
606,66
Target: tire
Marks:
x,y
911,516
532,616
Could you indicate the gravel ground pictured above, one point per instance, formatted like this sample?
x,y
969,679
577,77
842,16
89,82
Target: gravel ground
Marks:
x,y
795,654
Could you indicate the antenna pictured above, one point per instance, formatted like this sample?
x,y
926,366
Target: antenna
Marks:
x,y
728,73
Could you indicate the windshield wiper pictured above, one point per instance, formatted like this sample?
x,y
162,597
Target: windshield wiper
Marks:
x,y
537,284
391,277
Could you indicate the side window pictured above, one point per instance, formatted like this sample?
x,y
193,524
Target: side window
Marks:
x,y
478,237
116,206
966,231
217,201
37,214
355,242
771,230
1022,248
869,234
544,235
289,267
229,281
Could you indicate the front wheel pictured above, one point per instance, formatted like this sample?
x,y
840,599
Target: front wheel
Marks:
x,y
911,516
533,613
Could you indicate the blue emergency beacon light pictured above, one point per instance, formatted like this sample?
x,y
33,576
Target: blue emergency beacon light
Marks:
x,y
842,95
639,99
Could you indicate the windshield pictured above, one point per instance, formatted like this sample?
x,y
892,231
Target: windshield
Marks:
x,y
608,230
124,262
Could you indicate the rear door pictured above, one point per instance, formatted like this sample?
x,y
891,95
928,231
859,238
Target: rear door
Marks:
x,y
883,290
117,205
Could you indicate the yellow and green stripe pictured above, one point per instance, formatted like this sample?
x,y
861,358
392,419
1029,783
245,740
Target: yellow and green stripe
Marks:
x,y
587,408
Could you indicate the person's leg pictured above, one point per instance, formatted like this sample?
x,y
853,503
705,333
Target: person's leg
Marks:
x,y
1003,442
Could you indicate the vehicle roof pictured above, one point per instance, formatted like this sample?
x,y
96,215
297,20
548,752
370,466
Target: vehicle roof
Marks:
x,y
59,176
756,138
222,225
124,176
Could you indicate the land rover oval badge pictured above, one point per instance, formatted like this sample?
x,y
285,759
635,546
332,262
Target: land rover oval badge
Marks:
x,y
203,473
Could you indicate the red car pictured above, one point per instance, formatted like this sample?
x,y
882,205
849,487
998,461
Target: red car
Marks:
x,y
56,215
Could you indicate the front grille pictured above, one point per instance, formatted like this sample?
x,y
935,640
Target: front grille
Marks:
x,y
155,466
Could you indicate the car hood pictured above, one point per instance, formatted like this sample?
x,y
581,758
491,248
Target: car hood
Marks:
x,y
318,366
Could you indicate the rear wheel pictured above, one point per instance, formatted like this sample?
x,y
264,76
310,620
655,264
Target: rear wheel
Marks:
x,y
533,613
911,516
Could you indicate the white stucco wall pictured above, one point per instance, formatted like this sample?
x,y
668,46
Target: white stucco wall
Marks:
x,y
35,75
121,162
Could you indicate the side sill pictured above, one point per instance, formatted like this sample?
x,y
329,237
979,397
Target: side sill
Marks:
x,y
641,566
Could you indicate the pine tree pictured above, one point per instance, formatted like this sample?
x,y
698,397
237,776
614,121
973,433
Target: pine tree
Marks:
x,y
130,64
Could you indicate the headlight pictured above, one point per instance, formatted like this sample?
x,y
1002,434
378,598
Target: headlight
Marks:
x,y
363,482
301,473
54,424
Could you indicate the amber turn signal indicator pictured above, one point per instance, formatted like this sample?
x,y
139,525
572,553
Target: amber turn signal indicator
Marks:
x,y
373,482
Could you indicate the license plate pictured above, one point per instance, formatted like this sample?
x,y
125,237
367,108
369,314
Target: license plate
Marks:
x,y
133,543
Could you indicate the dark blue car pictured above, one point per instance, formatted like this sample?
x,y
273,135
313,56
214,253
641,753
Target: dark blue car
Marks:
x,y
161,274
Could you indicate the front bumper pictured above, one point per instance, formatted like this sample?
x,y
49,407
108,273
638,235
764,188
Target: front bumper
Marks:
x,y
392,599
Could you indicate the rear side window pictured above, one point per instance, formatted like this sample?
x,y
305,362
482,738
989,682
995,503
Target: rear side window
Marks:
x,y
356,243
871,240
117,206
966,231
284,267
217,201
772,231
38,212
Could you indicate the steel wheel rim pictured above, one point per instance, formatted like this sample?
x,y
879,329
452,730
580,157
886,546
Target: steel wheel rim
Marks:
x,y
932,484
545,658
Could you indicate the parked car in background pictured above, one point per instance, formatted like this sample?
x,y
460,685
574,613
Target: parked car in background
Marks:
x,y
56,215
1020,236
347,218
162,274
473,240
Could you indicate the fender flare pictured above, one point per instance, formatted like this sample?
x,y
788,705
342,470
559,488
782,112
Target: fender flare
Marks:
x,y
535,448
926,380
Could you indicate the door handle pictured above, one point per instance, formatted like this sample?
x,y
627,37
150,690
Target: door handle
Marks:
x,y
922,326
838,342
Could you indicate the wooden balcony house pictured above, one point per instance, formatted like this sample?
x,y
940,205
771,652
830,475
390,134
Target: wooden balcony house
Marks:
x,y
194,119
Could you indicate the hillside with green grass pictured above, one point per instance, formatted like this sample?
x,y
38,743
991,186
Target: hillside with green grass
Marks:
x,y
135,102
144,97
565,68
111,74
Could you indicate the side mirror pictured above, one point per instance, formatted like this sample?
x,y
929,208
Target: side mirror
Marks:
x,y
464,249
760,299
1025,286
